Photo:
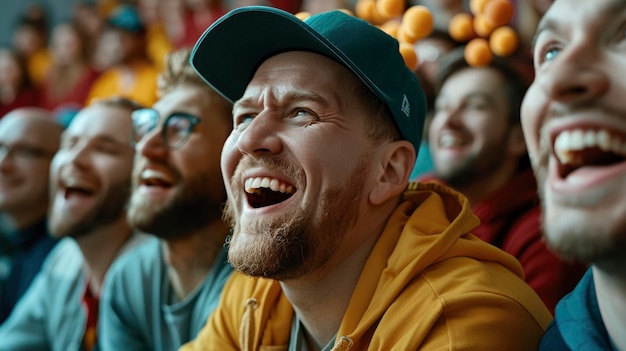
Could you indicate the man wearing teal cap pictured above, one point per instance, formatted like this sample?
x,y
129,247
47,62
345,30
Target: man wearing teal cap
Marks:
x,y
345,254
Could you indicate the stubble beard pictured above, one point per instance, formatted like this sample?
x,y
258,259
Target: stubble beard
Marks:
x,y
192,207
571,241
110,210
295,245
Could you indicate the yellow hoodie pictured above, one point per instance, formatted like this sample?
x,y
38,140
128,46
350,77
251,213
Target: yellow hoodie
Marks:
x,y
427,285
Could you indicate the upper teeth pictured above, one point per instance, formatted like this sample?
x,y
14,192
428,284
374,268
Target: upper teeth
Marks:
x,y
253,184
148,173
448,140
578,139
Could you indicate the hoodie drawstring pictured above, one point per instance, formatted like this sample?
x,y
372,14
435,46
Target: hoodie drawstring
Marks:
x,y
344,344
246,331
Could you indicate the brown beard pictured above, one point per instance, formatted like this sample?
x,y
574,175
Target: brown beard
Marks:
x,y
192,207
297,244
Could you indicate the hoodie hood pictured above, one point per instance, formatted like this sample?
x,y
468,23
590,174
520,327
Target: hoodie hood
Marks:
x,y
431,225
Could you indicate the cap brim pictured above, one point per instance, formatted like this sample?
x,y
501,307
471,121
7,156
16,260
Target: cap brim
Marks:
x,y
240,41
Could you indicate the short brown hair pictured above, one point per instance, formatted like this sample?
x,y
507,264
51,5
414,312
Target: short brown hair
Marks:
x,y
178,71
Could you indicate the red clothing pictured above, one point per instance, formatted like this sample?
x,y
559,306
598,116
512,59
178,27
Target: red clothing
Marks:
x,y
194,27
25,98
75,98
510,218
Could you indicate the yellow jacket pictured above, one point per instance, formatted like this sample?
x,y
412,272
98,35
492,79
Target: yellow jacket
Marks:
x,y
142,88
427,285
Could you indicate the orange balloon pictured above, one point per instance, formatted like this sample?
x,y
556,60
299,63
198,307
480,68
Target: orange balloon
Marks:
x,y
391,27
409,55
461,27
418,22
303,15
404,37
498,12
477,6
390,8
503,41
477,53
482,27
363,9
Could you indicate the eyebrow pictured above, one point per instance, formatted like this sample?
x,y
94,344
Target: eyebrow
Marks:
x,y
290,96
551,24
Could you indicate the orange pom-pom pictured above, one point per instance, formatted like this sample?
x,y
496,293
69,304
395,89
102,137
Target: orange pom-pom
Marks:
x,y
363,9
498,12
477,53
477,6
390,8
503,41
391,27
303,15
404,37
418,22
409,55
461,27
482,26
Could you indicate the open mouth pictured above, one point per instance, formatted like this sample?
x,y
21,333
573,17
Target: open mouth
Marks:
x,y
73,186
153,178
588,147
264,191
71,191
449,140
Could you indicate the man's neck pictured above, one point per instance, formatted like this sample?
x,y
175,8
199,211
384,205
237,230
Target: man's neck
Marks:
x,y
322,300
100,247
191,258
611,294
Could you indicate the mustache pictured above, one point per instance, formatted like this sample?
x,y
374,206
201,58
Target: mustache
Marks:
x,y
274,163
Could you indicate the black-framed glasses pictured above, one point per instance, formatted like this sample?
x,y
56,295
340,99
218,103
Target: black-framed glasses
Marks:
x,y
176,129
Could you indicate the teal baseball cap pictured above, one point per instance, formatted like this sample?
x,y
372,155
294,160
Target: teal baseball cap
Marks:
x,y
228,54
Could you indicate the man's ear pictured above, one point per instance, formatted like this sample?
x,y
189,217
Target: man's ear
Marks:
x,y
396,164
516,144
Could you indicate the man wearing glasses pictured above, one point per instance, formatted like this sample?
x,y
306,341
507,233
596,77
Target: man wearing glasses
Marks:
x,y
160,296
28,140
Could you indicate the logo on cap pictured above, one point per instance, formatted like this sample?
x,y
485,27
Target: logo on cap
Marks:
x,y
406,106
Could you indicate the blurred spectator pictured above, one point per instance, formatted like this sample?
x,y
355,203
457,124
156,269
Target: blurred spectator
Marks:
x,y
28,140
16,89
89,23
30,40
131,75
429,52
186,20
89,187
70,76
478,148
158,44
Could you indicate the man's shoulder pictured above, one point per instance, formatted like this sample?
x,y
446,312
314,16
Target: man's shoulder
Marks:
x,y
143,258
65,259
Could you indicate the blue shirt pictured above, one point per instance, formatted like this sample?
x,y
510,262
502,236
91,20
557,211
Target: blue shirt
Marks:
x,y
138,308
577,324
30,247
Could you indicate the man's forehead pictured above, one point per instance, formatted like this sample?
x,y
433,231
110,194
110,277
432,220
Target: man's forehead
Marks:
x,y
579,14
101,120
